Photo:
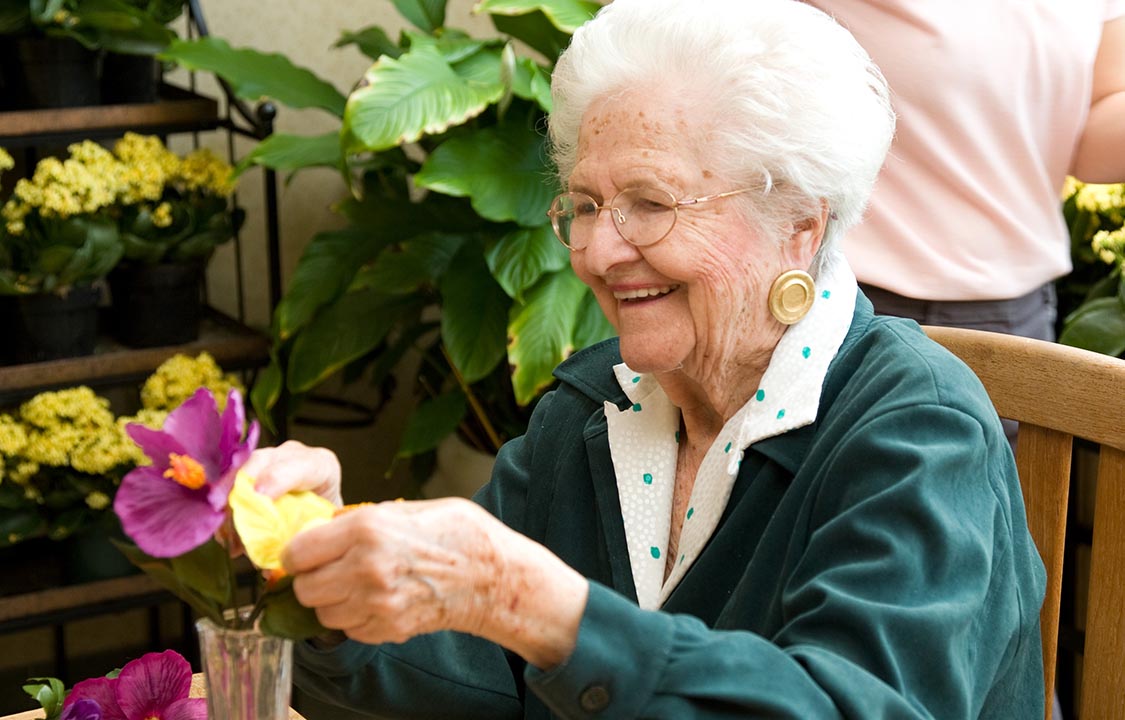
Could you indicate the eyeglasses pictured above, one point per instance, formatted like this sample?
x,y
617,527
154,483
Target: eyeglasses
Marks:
x,y
642,216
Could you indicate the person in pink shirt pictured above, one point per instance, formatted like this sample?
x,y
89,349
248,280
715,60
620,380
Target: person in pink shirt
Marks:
x,y
997,102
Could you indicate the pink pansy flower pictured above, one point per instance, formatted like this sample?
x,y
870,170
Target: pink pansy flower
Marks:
x,y
178,502
152,687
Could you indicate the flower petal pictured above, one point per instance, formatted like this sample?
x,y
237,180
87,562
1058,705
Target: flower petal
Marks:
x,y
186,709
100,691
156,444
197,427
151,683
164,519
82,710
266,526
233,422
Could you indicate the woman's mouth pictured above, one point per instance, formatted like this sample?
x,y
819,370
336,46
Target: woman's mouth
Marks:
x,y
643,293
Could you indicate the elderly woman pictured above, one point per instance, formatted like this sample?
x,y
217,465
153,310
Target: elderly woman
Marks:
x,y
761,500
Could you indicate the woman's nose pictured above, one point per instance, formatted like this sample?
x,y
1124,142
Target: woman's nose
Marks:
x,y
606,246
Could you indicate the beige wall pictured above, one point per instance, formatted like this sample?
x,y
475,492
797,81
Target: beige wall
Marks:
x,y
304,31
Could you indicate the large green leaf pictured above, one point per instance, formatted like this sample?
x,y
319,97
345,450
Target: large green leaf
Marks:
x,y
406,98
535,30
254,75
348,329
431,422
293,152
419,261
1098,325
531,82
372,41
522,256
473,315
428,15
328,264
591,326
566,15
501,169
452,45
541,332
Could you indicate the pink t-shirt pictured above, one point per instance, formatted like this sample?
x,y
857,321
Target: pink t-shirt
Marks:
x,y
992,96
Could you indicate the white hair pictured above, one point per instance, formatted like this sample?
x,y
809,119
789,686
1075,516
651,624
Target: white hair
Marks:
x,y
795,104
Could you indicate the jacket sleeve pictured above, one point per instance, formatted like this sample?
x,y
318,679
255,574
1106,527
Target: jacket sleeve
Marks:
x,y
447,675
912,597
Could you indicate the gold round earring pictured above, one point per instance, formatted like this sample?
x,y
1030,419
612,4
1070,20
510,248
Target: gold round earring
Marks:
x,y
791,296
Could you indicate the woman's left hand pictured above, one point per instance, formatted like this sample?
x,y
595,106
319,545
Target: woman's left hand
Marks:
x,y
390,571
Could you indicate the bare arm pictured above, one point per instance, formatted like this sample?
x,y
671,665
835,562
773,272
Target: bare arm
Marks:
x,y
1101,149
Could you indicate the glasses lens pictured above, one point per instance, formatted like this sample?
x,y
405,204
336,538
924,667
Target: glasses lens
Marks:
x,y
644,215
573,216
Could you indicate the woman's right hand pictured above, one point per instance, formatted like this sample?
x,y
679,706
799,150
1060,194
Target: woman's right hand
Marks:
x,y
294,466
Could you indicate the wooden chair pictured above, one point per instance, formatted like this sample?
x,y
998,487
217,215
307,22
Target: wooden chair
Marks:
x,y
1058,393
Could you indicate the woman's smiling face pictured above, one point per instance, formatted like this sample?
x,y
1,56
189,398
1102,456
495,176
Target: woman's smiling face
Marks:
x,y
696,300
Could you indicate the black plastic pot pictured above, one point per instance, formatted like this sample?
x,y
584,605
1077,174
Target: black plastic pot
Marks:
x,y
49,326
128,79
48,72
156,305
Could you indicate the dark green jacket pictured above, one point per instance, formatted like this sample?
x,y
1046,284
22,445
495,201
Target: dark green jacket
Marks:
x,y
874,564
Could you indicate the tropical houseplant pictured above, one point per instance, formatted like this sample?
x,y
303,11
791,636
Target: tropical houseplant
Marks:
x,y
442,147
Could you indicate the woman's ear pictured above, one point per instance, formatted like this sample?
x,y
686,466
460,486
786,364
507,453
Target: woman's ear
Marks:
x,y
806,237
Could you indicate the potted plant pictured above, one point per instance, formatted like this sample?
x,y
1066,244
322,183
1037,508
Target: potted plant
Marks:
x,y
49,56
448,252
172,213
63,455
1092,296
58,238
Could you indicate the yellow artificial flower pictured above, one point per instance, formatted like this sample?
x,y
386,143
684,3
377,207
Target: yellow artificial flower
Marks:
x,y
6,161
97,500
266,526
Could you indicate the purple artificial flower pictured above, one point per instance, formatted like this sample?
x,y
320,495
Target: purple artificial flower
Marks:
x,y
178,502
152,687
82,710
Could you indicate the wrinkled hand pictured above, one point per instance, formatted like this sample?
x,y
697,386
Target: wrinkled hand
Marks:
x,y
391,571
295,466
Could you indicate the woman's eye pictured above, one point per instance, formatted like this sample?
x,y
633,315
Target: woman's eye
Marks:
x,y
585,209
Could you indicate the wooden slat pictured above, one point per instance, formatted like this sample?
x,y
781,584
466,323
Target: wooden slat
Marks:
x,y
1046,372
1103,661
1043,460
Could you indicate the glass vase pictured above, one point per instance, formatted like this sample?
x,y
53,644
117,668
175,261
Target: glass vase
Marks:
x,y
249,675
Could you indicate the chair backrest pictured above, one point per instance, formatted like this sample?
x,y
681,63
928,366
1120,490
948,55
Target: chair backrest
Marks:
x,y
1058,393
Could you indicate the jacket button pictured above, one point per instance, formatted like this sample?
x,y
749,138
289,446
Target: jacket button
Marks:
x,y
594,698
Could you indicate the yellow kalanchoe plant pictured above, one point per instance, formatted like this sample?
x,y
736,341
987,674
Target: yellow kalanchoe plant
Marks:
x,y
1092,297
63,453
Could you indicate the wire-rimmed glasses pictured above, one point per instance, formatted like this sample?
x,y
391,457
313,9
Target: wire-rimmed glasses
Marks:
x,y
642,216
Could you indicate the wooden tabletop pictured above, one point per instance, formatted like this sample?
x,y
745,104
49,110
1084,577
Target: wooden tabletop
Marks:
x,y
197,690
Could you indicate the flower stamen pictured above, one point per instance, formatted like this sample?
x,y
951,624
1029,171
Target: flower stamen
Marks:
x,y
186,471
